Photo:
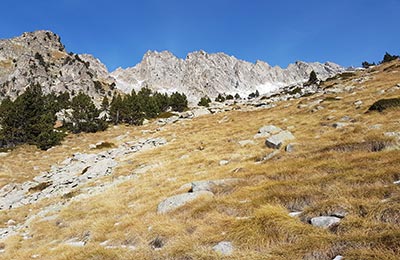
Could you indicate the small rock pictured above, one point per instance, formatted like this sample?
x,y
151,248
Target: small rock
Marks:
x,y
358,103
75,242
157,243
180,200
11,222
295,214
267,157
275,141
290,148
224,248
223,162
338,257
324,221
396,182
185,156
2,154
339,125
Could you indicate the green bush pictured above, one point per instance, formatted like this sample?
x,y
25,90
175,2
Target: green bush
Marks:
x,y
204,101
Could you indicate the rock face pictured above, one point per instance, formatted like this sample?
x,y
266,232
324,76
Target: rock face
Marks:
x,y
73,172
201,74
40,57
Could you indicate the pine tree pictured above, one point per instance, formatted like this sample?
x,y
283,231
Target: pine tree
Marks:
x,y
220,98
132,112
204,101
388,57
178,102
237,96
116,106
313,78
105,104
85,115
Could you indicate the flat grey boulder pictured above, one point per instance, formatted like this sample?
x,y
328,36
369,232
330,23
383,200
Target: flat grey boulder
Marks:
x,y
267,130
200,112
224,248
180,200
208,185
276,141
324,221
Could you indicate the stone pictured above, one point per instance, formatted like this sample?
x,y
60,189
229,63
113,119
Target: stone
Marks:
x,y
11,222
200,112
267,157
324,221
174,202
208,185
75,242
396,182
2,154
338,257
295,214
224,248
223,162
339,125
290,148
267,130
246,142
275,141
358,103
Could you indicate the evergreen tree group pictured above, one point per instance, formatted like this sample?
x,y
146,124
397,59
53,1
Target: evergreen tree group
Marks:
x,y
135,107
31,117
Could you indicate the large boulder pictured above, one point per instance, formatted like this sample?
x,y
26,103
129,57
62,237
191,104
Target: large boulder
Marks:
x,y
267,130
276,141
180,200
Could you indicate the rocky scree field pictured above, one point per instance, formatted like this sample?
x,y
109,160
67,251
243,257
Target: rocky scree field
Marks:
x,y
311,178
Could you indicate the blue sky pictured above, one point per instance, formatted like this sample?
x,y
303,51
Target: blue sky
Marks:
x,y
280,32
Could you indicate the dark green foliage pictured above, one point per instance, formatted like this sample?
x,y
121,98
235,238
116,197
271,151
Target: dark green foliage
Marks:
x,y
105,104
383,104
204,101
220,98
229,97
148,103
30,119
388,57
134,108
85,115
178,102
254,95
313,78
366,64
237,96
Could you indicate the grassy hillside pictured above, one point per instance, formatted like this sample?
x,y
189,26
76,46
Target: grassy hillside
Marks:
x,y
349,169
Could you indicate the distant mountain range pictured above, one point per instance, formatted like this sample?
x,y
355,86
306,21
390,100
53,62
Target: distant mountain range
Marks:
x,y
40,57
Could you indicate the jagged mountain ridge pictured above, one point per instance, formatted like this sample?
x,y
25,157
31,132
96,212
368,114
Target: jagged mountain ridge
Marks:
x,y
201,73
40,57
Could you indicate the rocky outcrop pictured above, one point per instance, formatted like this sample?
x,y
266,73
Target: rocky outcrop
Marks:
x,y
72,173
40,57
201,74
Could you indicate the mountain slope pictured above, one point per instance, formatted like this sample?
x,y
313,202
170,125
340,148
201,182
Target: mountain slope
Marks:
x,y
210,74
343,164
40,57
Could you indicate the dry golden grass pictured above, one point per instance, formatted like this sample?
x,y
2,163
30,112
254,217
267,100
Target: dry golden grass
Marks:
x,y
252,214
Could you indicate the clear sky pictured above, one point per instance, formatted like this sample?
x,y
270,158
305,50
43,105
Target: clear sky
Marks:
x,y
119,32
